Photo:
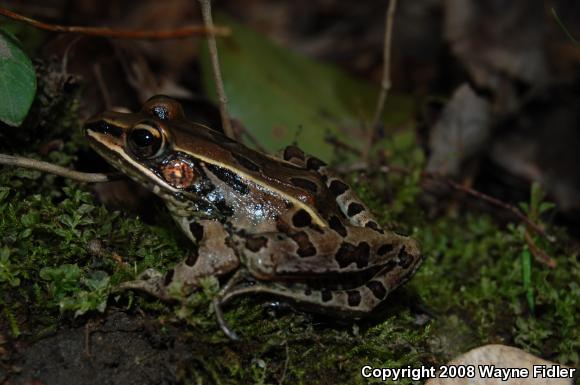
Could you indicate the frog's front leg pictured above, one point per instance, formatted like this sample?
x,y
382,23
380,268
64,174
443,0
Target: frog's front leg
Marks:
x,y
211,256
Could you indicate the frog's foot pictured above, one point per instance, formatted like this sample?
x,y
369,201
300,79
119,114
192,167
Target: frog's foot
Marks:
x,y
240,275
150,281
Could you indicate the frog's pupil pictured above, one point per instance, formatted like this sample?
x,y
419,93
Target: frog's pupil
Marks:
x,y
143,138
144,142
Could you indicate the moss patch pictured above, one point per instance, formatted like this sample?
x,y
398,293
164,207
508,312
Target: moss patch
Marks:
x,y
62,254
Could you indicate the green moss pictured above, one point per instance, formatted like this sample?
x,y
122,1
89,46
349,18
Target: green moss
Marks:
x,y
62,254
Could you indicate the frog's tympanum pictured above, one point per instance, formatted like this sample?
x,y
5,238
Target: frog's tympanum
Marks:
x,y
282,226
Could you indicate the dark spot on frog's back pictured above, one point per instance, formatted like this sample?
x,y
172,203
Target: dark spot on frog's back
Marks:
x,y
305,184
349,253
223,207
354,208
378,289
192,257
305,247
384,249
255,244
197,230
353,297
293,152
373,225
229,178
325,295
301,218
337,226
337,187
314,164
405,259
168,277
245,162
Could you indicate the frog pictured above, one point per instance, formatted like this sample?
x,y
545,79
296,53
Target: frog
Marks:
x,y
284,225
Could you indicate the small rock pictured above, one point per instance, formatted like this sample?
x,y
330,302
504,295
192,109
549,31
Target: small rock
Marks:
x,y
496,357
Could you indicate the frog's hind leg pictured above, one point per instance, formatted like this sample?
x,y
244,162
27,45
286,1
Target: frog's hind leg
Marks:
x,y
352,303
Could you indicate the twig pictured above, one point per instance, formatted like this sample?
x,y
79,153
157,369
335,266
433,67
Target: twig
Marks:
x,y
540,255
333,140
240,131
459,187
18,161
493,201
386,81
188,30
283,377
217,75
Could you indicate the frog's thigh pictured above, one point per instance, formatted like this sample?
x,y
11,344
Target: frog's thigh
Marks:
x,y
213,255
353,302
320,251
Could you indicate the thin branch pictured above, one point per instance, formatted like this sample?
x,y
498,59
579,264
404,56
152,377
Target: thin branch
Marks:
x,y
540,255
18,161
283,377
386,81
531,225
493,201
217,74
339,145
188,30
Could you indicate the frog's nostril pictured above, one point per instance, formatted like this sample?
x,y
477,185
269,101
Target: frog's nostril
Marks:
x,y
103,127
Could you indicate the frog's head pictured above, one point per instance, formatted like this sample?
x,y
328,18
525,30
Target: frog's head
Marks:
x,y
153,147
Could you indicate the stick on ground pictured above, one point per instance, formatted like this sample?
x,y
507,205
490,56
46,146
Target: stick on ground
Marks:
x,y
18,161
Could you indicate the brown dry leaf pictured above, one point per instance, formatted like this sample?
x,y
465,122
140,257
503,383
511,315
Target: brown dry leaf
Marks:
x,y
462,131
493,39
500,356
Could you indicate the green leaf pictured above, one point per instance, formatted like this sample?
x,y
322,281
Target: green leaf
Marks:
x,y
4,193
280,96
17,81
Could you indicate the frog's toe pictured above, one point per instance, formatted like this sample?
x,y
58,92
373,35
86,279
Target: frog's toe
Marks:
x,y
222,322
150,281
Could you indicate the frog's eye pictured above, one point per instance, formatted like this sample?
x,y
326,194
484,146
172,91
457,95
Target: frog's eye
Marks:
x,y
146,140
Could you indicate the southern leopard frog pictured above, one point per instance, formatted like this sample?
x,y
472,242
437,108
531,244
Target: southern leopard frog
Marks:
x,y
287,225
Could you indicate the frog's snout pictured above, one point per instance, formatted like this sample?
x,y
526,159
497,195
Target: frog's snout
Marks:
x,y
102,126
